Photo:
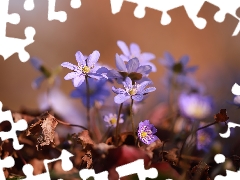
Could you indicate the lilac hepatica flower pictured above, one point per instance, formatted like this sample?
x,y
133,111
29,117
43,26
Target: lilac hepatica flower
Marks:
x,y
146,132
134,51
179,67
131,69
111,119
47,74
86,67
205,138
195,106
135,91
98,91
236,101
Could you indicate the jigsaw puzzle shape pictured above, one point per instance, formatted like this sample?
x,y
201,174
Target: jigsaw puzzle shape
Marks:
x,y
230,125
8,45
137,167
29,5
87,173
66,166
192,9
219,158
75,4
20,125
8,162
53,15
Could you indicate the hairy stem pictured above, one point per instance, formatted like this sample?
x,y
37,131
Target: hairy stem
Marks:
x,y
117,126
68,124
88,101
131,116
181,150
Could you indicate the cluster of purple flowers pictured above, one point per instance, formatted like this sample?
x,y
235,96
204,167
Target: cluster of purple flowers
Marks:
x,y
132,73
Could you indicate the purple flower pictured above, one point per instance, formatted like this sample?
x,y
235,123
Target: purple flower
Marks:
x,y
131,69
146,131
195,106
179,67
135,91
236,101
86,67
98,91
111,119
51,76
205,138
134,51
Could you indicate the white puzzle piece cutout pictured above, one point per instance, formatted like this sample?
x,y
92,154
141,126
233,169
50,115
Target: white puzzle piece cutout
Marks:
x,y
9,45
20,125
192,9
7,162
66,166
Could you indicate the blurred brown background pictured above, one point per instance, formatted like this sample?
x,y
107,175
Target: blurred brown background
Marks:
x,y
94,27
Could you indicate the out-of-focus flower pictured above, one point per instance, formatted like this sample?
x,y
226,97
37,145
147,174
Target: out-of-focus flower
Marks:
x,y
111,119
86,67
55,99
195,106
146,132
135,91
205,138
98,91
236,101
134,51
131,69
50,76
179,67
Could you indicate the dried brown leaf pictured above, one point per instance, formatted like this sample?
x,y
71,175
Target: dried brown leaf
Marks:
x,y
84,138
222,116
87,158
44,129
172,155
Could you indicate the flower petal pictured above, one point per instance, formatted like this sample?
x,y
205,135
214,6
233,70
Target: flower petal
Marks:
x,y
118,90
191,69
122,45
184,60
93,58
127,82
135,49
168,60
36,63
148,90
69,66
144,70
120,98
120,64
137,97
37,82
77,81
146,57
113,74
71,75
124,58
132,65
142,86
80,58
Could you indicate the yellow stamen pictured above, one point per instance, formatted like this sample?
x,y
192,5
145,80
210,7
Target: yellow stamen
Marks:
x,y
143,134
113,121
86,69
132,92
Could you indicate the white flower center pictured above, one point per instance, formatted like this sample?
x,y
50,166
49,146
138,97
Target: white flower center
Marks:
x,y
132,90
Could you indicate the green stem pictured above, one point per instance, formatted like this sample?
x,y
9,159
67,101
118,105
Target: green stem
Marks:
x,y
181,150
131,116
117,127
88,101
215,122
